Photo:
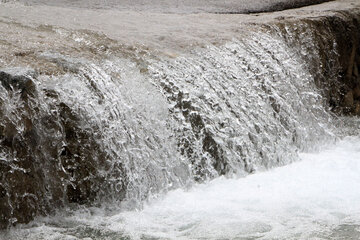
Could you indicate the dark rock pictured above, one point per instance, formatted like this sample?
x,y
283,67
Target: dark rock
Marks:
x,y
22,83
348,99
210,146
357,108
337,41
51,160
356,93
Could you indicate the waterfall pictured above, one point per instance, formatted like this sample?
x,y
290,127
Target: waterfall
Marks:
x,y
246,105
117,125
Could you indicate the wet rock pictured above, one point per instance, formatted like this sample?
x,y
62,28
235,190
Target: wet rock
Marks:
x,y
22,83
356,93
356,70
348,99
357,108
20,176
210,146
336,39
5,211
48,158
81,156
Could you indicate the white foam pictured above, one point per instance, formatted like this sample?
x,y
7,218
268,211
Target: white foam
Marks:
x,y
307,199
316,198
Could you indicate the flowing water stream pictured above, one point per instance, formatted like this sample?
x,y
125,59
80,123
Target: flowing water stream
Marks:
x,y
233,139
315,198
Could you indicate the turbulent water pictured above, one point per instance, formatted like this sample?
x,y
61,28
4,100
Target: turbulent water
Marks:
x,y
315,198
124,142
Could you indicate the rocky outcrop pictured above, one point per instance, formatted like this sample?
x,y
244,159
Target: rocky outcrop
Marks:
x,y
330,47
345,29
47,159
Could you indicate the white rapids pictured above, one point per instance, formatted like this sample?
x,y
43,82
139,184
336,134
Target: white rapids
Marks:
x,y
315,198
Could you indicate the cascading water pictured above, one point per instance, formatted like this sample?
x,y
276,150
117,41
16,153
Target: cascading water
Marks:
x,y
116,132
108,135
246,105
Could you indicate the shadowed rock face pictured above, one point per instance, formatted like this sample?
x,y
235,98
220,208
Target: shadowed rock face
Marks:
x,y
20,173
337,42
344,95
47,160
348,37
